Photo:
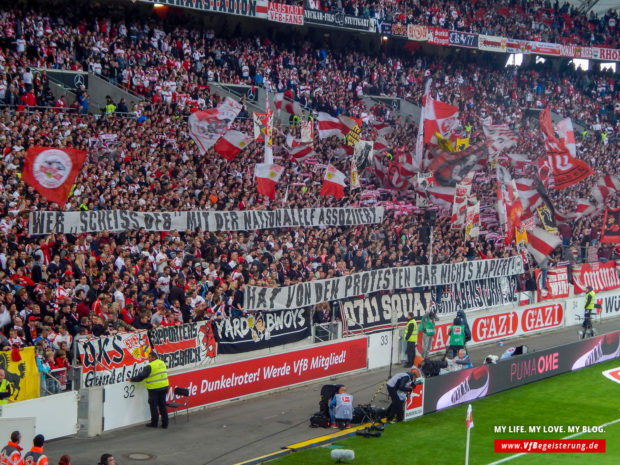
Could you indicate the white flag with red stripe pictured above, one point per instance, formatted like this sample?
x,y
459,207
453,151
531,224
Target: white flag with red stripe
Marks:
x,y
231,144
439,117
610,182
333,183
267,175
301,152
540,243
441,195
330,126
206,127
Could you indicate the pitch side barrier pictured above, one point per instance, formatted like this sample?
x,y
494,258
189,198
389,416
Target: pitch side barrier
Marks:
x,y
474,383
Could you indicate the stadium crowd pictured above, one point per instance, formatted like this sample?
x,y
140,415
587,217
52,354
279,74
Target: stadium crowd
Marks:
x,y
56,287
543,21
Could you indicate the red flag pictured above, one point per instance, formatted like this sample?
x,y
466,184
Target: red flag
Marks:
x,y
333,183
267,175
567,170
231,143
52,171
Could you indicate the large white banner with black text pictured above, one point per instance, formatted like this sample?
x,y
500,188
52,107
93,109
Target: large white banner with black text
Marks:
x,y
374,313
48,222
385,279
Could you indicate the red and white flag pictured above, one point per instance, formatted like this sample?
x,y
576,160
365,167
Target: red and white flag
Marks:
x,y
285,101
509,206
302,151
499,137
610,182
206,127
469,419
383,129
261,120
53,171
567,170
541,243
333,183
267,175
330,126
567,135
552,143
441,195
439,117
231,144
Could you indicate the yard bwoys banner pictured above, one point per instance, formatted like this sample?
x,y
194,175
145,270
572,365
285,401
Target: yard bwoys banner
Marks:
x,y
22,375
189,344
112,359
374,313
261,330
385,279
49,222
601,276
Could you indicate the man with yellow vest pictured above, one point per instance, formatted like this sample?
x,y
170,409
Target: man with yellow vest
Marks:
x,y
411,336
155,376
587,312
5,388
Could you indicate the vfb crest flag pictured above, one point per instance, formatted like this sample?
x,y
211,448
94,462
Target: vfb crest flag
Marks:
x,y
52,171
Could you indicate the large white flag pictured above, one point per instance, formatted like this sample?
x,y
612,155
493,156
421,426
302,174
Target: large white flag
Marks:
x,y
206,127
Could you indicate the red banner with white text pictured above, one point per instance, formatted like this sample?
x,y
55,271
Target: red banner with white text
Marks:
x,y
289,14
238,379
557,283
601,276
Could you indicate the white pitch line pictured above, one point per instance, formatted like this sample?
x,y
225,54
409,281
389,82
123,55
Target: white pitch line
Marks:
x,y
512,457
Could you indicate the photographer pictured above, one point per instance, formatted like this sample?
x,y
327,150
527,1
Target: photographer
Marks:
x,y
428,331
399,388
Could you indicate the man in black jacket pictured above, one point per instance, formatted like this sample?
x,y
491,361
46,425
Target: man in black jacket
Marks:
x,y
399,387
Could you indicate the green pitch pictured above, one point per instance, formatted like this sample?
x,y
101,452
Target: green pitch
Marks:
x,y
583,398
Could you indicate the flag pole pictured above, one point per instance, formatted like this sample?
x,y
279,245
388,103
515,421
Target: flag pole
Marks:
x,y
469,423
467,448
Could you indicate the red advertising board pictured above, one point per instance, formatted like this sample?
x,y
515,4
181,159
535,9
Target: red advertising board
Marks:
x,y
238,379
289,14
438,36
498,326
601,276
557,283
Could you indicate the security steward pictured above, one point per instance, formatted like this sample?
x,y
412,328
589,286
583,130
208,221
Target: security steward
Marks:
x,y
411,336
5,388
587,311
155,376
399,388
35,455
12,453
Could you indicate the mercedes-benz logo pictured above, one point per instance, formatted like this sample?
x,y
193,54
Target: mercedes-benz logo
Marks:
x,y
78,80
339,18
250,94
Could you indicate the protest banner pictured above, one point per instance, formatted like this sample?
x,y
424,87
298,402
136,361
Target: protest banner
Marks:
x,y
557,285
374,313
184,345
385,279
112,359
261,330
48,222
